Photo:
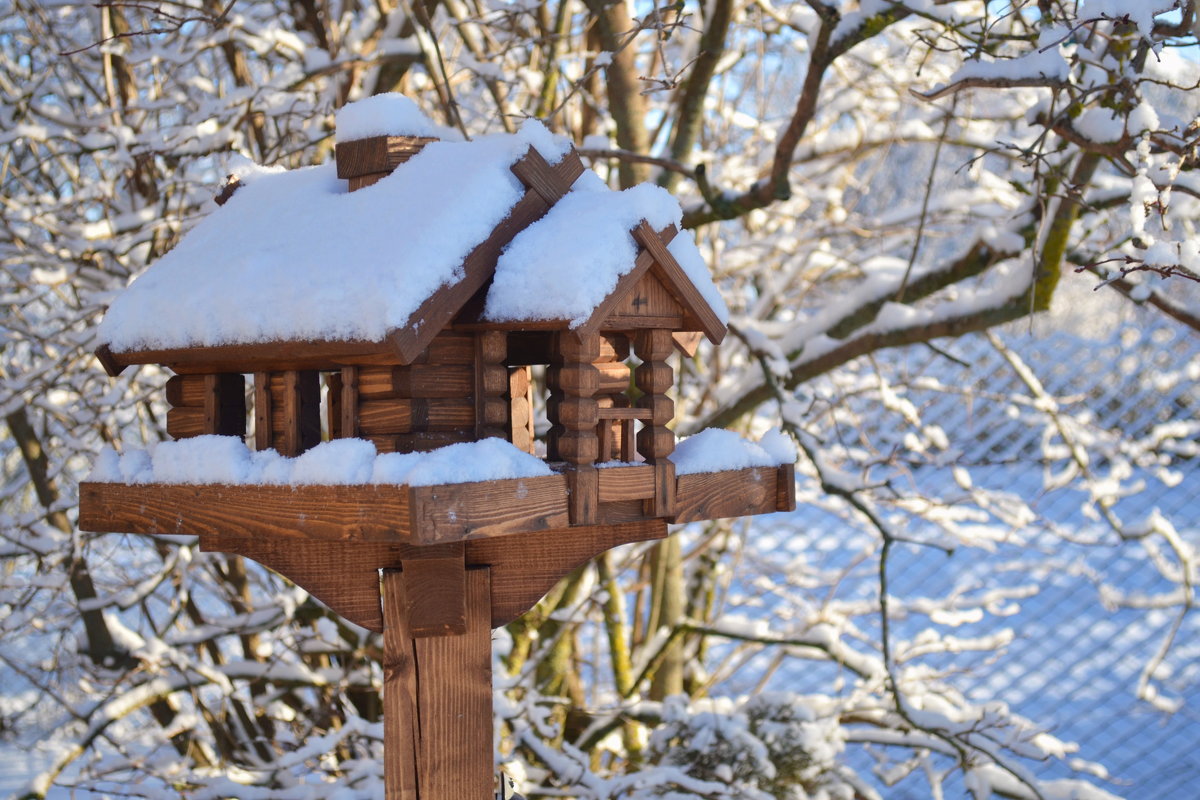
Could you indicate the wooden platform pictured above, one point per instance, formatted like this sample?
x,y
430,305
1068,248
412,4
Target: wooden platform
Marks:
x,y
333,540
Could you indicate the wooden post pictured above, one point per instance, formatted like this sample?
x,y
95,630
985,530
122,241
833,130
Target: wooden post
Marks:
x,y
491,384
437,698
576,377
655,441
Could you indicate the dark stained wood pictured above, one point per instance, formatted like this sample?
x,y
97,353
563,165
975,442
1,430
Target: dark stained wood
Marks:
x,y
730,493
491,385
298,395
267,357
336,513
108,361
364,513
785,490
348,408
524,568
436,591
583,493
343,577
454,685
185,390
383,417
626,483
376,154
400,694
619,512
224,404
449,347
185,422
529,347
536,173
264,435
450,513
678,282
363,181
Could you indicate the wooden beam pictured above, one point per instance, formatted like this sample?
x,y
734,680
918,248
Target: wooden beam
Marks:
x,y
454,690
626,483
263,357
363,513
730,493
376,154
400,694
453,512
678,282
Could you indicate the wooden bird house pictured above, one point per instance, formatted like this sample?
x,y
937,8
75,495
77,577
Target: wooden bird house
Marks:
x,y
404,303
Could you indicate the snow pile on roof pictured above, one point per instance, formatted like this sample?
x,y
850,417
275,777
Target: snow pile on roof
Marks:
x,y
227,460
390,114
564,265
714,450
294,256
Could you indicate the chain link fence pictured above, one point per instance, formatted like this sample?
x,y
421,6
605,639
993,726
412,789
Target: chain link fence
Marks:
x,y
1088,608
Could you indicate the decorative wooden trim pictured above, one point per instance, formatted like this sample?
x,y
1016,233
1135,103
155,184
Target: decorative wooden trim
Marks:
x,y
678,282
624,285
345,577
525,568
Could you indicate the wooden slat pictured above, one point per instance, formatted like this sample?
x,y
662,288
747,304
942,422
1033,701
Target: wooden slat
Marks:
x,y
626,483
348,428
400,694
267,357
436,590
382,417
185,390
524,568
450,513
343,513
225,404
730,493
520,418
649,298
687,342
345,577
449,347
583,493
624,413
536,173
678,281
264,433
454,751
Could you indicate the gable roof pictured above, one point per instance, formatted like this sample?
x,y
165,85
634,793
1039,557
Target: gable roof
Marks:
x,y
296,265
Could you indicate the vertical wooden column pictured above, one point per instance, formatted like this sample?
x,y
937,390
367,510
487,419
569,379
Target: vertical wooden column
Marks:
x,y
520,409
437,697
575,375
491,384
655,441
616,438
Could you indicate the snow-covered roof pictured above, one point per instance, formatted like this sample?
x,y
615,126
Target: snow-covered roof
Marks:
x,y
294,256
